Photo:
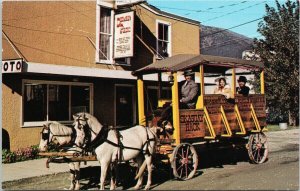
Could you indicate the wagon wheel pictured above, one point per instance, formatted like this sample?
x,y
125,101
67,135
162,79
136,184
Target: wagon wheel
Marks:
x,y
258,148
184,161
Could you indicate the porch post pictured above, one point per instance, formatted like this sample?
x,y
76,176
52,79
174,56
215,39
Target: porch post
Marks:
x,y
175,109
140,92
262,82
159,92
200,102
233,79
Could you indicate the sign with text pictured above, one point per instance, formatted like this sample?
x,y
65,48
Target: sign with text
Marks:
x,y
12,66
123,45
191,124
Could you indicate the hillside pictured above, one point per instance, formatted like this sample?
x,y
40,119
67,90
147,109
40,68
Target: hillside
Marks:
x,y
226,43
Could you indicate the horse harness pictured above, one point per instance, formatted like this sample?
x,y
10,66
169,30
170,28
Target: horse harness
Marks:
x,y
120,145
101,137
46,136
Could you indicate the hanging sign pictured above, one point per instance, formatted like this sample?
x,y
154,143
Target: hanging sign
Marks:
x,y
12,66
123,44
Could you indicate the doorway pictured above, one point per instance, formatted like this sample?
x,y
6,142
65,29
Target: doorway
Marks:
x,y
125,105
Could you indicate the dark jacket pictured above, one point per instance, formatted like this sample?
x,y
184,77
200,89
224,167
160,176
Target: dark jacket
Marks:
x,y
244,90
189,93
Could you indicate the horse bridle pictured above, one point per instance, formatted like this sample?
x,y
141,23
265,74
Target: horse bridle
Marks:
x,y
87,131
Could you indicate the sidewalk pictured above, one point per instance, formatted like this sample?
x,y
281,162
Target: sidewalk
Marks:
x,y
34,168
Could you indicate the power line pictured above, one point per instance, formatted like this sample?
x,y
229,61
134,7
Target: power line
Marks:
x,y
205,10
48,52
223,42
226,44
236,11
39,16
151,17
233,27
216,31
93,19
36,30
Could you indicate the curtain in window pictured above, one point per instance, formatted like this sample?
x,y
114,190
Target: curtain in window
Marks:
x,y
105,33
163,40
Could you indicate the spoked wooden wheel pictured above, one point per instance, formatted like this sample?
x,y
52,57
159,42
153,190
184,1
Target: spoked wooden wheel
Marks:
x,y
258,148
185,161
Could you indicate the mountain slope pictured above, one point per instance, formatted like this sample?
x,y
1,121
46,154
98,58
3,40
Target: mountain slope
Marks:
x,y
225,43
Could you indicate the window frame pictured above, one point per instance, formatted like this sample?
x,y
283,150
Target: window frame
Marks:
x,y
152,87
126,63
111,35
46,82
169,35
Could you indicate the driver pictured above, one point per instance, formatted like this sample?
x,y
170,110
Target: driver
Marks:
x,y
189,91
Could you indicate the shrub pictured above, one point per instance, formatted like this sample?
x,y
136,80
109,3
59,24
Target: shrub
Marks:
x,y
8,157
20,154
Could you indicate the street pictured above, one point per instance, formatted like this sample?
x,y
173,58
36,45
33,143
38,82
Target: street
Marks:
x,y
218,170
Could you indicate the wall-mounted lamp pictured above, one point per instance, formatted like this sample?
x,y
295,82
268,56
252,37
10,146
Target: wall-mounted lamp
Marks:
x,y
171,79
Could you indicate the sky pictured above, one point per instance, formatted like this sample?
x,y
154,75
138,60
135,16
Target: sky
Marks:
x,y
223,14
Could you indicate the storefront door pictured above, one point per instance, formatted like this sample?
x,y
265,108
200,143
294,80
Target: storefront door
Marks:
x,y
125,102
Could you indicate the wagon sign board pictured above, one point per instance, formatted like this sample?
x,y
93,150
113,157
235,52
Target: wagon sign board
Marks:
x,y
191,124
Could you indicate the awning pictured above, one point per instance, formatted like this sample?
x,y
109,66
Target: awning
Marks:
x,y
212,64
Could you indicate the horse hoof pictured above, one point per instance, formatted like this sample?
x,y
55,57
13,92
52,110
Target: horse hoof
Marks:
x,y
77,187
136,188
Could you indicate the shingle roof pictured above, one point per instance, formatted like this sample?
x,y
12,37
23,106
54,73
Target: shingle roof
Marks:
x,y
182,62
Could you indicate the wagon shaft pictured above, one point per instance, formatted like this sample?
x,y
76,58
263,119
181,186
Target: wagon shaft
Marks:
x,y
57,154
73,159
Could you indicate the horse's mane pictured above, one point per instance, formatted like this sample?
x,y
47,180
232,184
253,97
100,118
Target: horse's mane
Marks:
x,y
59,129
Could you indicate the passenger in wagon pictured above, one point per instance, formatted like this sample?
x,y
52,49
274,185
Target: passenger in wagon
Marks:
x,y
189,91
242,89
223,88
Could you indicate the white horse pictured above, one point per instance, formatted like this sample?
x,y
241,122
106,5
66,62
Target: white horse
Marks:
x,y
62,135
133,143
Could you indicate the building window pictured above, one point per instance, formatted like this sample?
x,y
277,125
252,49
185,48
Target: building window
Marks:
x,y
105,35
54,101
151,95
123,61
163,45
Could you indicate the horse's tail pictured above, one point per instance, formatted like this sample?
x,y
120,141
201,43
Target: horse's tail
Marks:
x,y
141,170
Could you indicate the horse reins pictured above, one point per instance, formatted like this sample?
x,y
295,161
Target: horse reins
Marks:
x,y
98,140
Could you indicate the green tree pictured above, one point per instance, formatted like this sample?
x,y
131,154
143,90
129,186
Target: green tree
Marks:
x,y
278,49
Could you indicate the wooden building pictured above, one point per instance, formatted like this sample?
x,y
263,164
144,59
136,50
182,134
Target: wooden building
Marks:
x,y
63,57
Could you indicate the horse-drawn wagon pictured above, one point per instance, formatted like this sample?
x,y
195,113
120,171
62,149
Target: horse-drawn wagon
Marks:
x,y
215,119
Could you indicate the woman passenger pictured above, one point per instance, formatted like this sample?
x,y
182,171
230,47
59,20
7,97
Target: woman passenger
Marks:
x,y
223,88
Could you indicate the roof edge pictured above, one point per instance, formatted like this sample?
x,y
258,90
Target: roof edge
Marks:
x,y
159,12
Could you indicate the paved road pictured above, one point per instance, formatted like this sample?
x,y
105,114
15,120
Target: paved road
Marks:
x,y
219,170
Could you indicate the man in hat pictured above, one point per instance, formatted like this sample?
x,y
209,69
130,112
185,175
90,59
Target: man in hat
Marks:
x,y
242,89
189,91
